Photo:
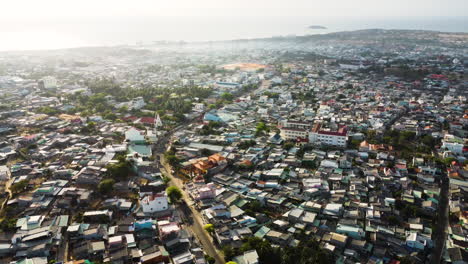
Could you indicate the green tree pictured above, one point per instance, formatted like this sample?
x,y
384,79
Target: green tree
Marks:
x,y
19,186
247,144
260,128
120,170
173,161
407,260
209,228
210,259
106,186
229,252
448,161
8,224
166,179
174,194
288,145
205,152
48,110
227,96
110,116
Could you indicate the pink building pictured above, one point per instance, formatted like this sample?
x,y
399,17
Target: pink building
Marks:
x,y
202,192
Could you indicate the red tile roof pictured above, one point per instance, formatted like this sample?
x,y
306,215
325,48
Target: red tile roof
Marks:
x,y
146,120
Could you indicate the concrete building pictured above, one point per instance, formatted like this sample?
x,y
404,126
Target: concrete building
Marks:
x,y
49,82
327,137
154,203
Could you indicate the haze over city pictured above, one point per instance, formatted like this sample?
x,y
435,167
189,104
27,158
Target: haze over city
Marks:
x,y
233,132
53,24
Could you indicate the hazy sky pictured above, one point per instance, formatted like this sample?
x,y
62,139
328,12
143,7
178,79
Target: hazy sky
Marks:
x,y
49,24
24,9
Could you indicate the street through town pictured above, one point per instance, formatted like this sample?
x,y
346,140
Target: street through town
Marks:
x,y
440,233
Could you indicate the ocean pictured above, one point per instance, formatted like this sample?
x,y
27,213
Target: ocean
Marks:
x,y
110,31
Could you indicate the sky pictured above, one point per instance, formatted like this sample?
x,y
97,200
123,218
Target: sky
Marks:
x,y
50,24
26,9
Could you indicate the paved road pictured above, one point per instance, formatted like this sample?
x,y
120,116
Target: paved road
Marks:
x,y
7,189
194,219
192,215
62,254
440,232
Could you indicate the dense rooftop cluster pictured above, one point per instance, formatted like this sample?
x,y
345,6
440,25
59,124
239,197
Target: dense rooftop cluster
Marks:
x,y
355,153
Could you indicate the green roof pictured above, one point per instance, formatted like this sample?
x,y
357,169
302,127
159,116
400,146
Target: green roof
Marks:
x,y
262,232
45,189
241,203
143,150
62,220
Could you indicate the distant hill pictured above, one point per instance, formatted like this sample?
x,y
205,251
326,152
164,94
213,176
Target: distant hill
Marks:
x,y
373,37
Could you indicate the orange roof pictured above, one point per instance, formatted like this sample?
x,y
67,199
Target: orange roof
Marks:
x,y
202,165
216,157
246,162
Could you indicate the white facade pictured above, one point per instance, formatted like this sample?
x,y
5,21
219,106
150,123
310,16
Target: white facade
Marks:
x,y
293,133
137,103
154,203
416,241
328,139
4,173
49,82
199,107
134,135
454,147
276,80
158,122
295,124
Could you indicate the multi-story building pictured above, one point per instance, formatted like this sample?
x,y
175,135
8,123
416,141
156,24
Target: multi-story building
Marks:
x,y
327,137
453,144
49,82
293,133
295,124
292,130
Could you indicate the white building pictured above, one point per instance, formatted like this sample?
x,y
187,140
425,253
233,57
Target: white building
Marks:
x,y
292,130
295,124
199,107
337,138
4,173
138,103
276,80
453,144
157,121
293,133
49,82
417,241
134,135
154,203
249,257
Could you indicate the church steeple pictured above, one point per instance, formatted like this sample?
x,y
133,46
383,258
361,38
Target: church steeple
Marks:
x,y
157,122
